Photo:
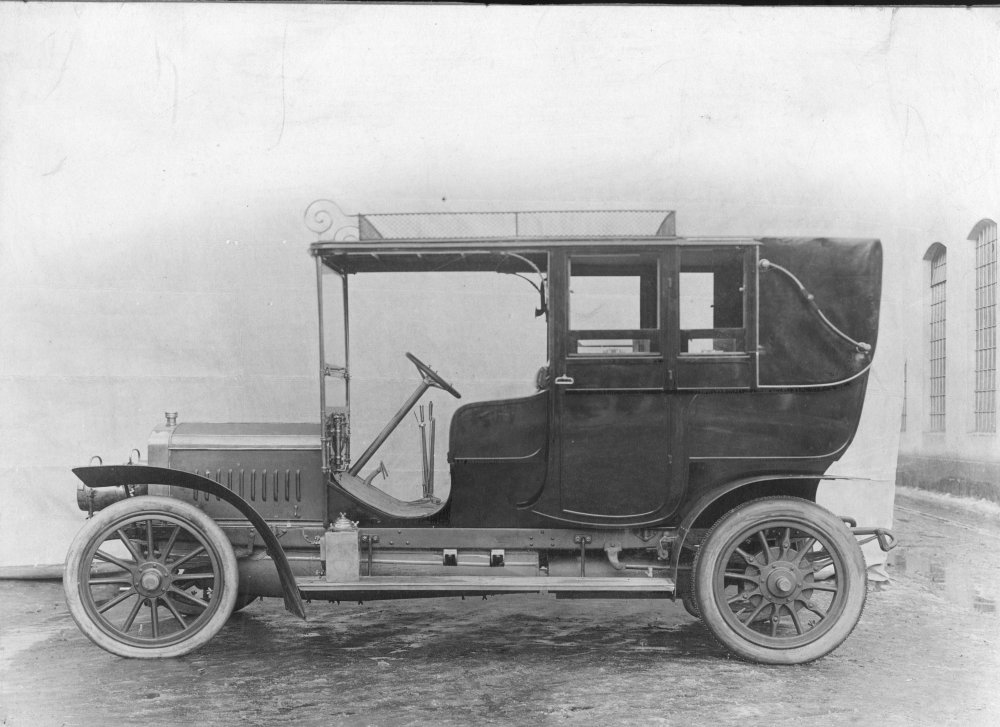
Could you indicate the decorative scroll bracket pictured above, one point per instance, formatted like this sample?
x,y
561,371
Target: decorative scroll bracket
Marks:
x,y
323,215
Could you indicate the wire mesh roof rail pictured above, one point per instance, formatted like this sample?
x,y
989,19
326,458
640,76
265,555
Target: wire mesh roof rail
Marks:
x,y
512,225
323,215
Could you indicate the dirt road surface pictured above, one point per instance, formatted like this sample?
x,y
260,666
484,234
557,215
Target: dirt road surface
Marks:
x,y
927,652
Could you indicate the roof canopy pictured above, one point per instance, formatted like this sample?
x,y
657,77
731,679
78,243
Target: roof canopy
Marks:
x,y
509,242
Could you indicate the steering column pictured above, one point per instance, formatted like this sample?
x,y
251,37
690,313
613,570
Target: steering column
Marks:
x,y
428,379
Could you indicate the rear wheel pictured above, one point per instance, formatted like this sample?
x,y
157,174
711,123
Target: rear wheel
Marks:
x,y
150,577
780,581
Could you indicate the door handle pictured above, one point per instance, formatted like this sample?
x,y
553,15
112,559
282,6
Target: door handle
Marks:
x,y
564,380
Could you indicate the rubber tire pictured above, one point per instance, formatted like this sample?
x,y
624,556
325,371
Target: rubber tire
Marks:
x,y
756,514
195,518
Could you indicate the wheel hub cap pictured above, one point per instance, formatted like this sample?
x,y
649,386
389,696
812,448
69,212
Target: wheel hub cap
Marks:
x,y
153,580
781,583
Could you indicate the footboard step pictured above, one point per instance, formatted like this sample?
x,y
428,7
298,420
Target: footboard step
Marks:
x,y
477,585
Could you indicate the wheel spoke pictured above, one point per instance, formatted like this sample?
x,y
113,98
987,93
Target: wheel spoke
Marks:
x,y
823,587
795,620
132,614
763,604
766,548
130,567
742,577
109,580
173,609
149,540
165,553
775,620
189,597
746,556
154,617
803,550
786,544
177,563
820,563
815,609
739,597
136,555
116,600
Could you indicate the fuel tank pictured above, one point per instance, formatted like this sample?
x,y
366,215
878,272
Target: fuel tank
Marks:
x,y
276,467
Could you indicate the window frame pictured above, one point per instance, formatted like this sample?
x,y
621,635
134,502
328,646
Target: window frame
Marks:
x,y
718,370
936,290
741,333
984,328
619,264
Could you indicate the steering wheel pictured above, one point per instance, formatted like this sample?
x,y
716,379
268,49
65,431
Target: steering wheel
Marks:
x,y
428,373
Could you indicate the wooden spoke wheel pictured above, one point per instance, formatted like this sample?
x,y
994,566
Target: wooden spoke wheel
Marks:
x,y
150,577
780,581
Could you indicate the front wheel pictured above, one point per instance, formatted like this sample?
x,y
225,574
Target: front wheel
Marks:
x,y
150,577
780,581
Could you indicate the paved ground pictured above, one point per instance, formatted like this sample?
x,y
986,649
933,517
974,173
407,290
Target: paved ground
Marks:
x,y
927,652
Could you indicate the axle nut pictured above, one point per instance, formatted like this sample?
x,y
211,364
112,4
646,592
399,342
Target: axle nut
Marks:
x,y
150,580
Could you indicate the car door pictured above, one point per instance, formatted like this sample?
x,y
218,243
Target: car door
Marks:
x,y
611,451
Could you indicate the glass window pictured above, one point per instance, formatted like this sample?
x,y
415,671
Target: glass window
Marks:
x,y
613,305
604,302
986,329
712,301
936,337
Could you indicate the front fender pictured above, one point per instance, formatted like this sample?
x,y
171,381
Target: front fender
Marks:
x,y
124,475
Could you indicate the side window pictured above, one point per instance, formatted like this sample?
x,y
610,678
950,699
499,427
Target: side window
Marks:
x,y
712,301
613,305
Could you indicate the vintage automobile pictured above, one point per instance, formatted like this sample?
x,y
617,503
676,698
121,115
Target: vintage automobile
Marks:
x,y
695,393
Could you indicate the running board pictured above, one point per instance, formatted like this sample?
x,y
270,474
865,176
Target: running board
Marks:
x,y
372,586
382,502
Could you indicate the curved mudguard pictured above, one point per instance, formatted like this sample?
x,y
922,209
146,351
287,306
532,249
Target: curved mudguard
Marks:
x,y
886,540
703,503
123,475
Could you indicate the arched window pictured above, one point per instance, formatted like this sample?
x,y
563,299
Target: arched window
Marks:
x,y
984,234
937,256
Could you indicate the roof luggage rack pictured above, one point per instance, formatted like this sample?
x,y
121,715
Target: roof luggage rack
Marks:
x,y
513,225
322,216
